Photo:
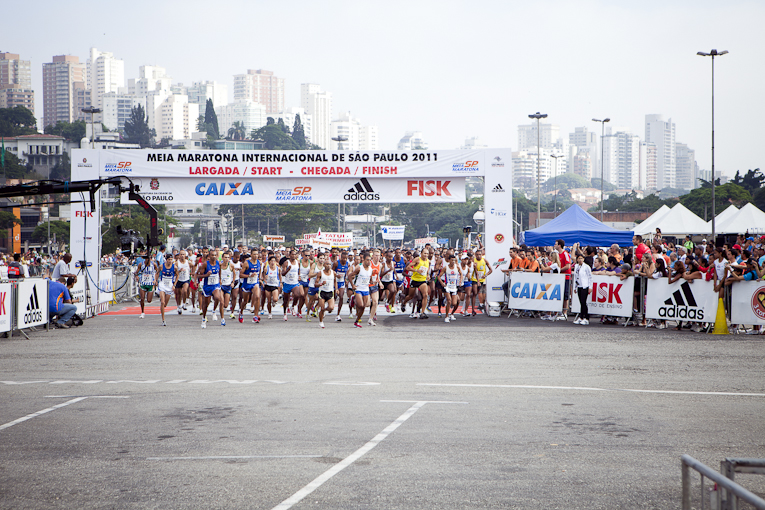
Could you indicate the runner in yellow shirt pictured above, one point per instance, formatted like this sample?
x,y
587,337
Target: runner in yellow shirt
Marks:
x,y
481,269
420,269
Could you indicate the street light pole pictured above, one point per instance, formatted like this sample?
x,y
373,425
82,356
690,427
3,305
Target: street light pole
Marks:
x,y
602,151
91,110
555,184
538,116
713,54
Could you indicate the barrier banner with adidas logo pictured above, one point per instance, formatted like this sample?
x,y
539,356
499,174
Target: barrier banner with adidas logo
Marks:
x,y
32,303
609,295
693,300
238,190
748,303
5,307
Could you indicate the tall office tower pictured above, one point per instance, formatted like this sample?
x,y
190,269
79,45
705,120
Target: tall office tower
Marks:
x,y
621,159
118,107
200,91
150,78
648,165
662,134
105,74
527,136
318,104
412,140
685,161
261,87
525,167
16,82
586,143
368,138
250,114
63,79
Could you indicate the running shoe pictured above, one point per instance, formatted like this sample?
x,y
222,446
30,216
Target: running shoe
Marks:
x,y
357,324
424,316
232,315
269,316
307,318
350,315
184,306
285,317
215,316
584,322
256,319
371,322
241,318
338,319
321,324
446,320
452,317
204,324
562,317
141,316
473,313
299,315
439,315
578,321
180,311
164,323
411,316
222,321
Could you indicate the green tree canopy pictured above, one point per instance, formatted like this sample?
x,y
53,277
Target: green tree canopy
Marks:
x,y
298,133
137,128
211,121
725,195
17,121
14,169
751,181
72,131
607,186
274,137
59,229
566,181
8,219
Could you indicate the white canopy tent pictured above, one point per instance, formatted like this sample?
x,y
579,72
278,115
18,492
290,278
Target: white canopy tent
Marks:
x,y
648,226
680,221
747,219
722,218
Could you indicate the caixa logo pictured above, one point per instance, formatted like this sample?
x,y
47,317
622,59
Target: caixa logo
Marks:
x,y
682,305
547,292
224,188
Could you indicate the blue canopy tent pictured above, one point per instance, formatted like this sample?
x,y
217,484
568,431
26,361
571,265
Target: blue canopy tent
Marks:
x,y
575,225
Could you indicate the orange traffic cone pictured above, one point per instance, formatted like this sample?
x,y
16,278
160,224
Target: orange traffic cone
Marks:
x,y
721,321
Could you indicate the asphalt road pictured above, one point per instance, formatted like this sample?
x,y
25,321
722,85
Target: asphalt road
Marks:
x,y
481,413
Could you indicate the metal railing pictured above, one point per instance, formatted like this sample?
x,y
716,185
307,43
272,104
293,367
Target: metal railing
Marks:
x,y
734,492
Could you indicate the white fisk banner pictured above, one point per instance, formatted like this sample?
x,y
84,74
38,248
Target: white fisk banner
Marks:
x,y
536,291
32,303
608,296
5,307
748,303
691,300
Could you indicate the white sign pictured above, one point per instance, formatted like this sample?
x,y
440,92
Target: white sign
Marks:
x,y
360,241
32,303
245,190
748,303
267,164
422,241
105,287
537,291
693,300
393,232
5,307
77,293
302,242
320,243
272,239
608,296
336,238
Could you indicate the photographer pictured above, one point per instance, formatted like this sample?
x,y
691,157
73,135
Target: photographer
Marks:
x,y
60,303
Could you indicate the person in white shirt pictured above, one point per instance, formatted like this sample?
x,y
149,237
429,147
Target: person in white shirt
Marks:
x,y
583,280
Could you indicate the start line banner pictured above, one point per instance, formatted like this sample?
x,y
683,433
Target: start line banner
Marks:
x,y
297,191
536,291
608,296
748,303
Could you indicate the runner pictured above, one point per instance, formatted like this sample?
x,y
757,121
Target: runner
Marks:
x,y
374,287
479,279
306,263
362,276
399,264
237,266
313,289
183,269
250,287
209,276
466,265
326,282
453,275
419,267
388,282
290,283
201,267
228,276
167,281
271,278
341,271
147,279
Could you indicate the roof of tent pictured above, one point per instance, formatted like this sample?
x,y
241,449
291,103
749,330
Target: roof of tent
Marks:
x,y
575,225
648,225
723,217
748,218
680,221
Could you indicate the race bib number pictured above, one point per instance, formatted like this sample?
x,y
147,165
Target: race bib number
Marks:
x,y
183,275
167,281
252,279
147,279
213,279
363,280
423,270
340,277
227,279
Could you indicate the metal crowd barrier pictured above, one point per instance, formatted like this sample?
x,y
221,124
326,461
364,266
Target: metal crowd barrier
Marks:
x,y
30,313
731,494
124,291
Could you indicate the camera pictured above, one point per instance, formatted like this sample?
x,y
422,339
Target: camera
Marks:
x,y
130,241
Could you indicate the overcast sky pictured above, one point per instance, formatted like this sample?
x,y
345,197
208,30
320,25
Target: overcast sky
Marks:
x,y
449,69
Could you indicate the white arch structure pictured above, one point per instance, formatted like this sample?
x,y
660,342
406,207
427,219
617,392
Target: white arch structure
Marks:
x,y
301,177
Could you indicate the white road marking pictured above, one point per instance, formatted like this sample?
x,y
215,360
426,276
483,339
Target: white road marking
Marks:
x,y
235,457
322,478
579,388
38,413
352,383
88,396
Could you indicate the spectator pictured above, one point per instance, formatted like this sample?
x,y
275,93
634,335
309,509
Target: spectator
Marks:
x,y
60,303
640,247
63,269
15,271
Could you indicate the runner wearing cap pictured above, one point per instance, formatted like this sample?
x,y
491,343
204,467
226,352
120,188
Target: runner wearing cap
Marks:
x,y
419,267
209,275
362,276
147,278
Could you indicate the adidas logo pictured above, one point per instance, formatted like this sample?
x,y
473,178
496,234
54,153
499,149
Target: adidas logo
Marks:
x,y
498,189
34,313
361,191
682,305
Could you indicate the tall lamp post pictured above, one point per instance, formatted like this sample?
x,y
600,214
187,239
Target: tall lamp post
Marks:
x,y
555,184
538,116
91,110
713,54
602,178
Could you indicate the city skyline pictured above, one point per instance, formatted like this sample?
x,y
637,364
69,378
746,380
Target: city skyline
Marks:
x,y
424,75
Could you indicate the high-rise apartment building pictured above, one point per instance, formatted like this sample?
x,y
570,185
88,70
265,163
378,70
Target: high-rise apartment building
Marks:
x,y
250,114
200,91
118,107
621,159
527,136
586,143
261,87
685,162
63,79
288,116
648,166
318,104
525,167
662,134
150,78
16,82
368,138
357,137
473,143
412,140
105,74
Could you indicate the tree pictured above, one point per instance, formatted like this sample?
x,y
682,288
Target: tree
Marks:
x,y
72,131
17,121
211,121
274,137
282,126
237,131
110,240
298,133
8,220
58,229
752,181
607,186
725,195
304,219
63,169
137,128
14,169
566,181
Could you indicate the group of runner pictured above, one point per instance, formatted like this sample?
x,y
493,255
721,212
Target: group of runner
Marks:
x,y
242,280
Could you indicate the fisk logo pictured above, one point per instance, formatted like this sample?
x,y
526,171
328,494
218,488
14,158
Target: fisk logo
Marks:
x,y
83,214
606,293
428,188
3,309
224,188
362,190
678,308
548,291
122,166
